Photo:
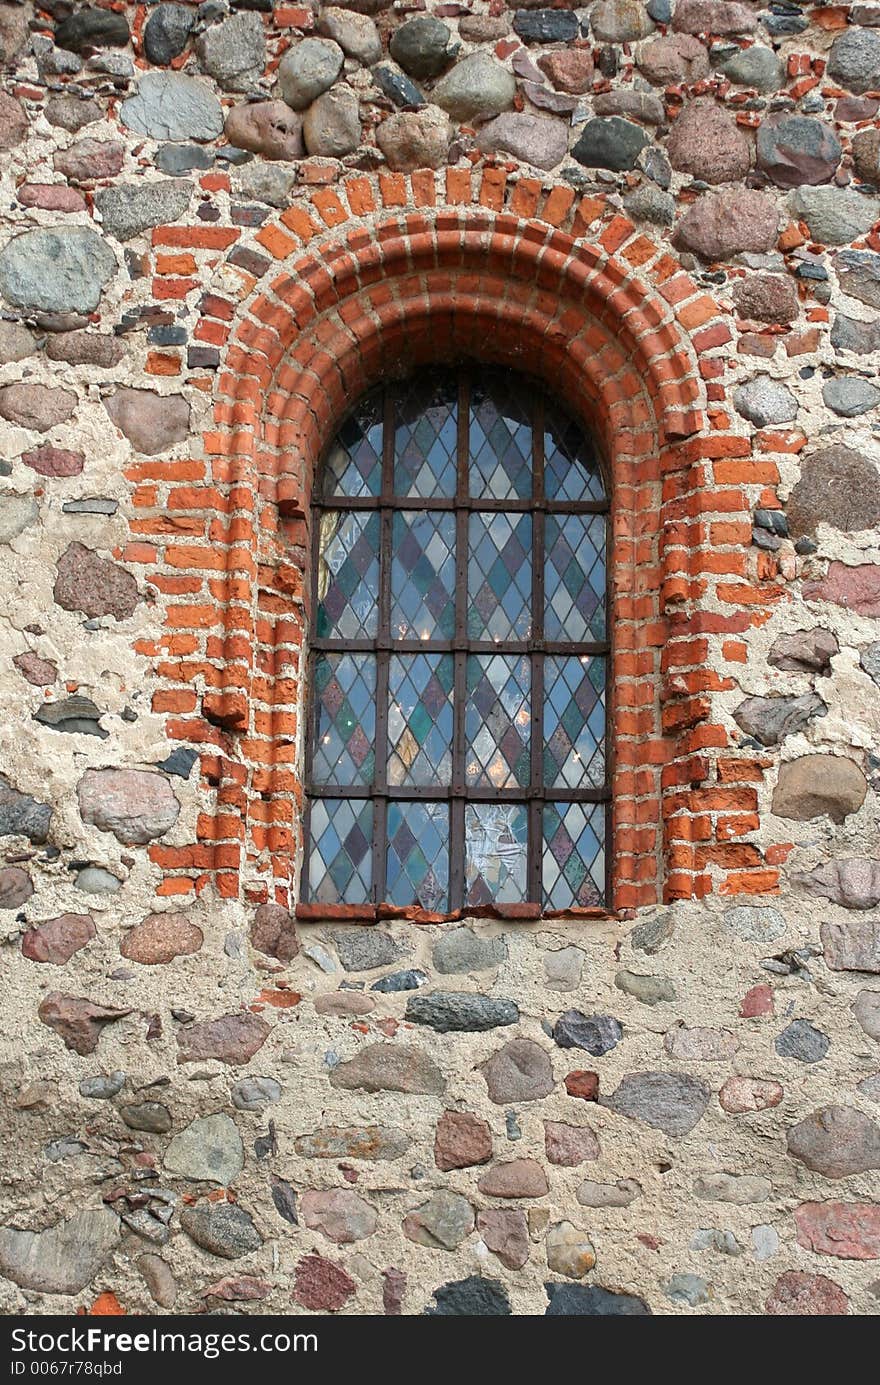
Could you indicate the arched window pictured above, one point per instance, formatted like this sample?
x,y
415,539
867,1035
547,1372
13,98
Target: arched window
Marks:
x,y
459,653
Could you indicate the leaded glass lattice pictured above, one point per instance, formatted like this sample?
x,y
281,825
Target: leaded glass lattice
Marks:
x,y
456,743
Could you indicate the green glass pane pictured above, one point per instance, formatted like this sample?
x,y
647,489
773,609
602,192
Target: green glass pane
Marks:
x,y
418,855
574,722
345,690
420,719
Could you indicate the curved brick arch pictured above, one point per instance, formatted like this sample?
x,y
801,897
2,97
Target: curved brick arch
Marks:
x,y
375,275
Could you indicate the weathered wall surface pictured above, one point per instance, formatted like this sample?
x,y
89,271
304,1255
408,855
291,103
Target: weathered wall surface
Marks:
x,y
214,230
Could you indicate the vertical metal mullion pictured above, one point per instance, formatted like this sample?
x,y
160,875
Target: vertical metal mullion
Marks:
x,y
537,657
380,772
457,802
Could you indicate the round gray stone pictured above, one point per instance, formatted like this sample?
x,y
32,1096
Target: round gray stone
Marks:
x,y
221,1228
835,216
166,32
255,1093
423,46
56,270
307,70
129,208
332,125
234,52
803,1041
764,401
854,60
611,143
757,67
478,85
796,149
209,1150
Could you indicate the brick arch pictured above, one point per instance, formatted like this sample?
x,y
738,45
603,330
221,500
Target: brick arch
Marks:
x,y
377,275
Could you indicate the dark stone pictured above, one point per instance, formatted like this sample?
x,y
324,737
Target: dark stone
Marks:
x,y
284,1199
591,1300
77,715
598,1034
166,32
613,143
669,1101
221,1228
409,980
546,26
397,86
21,815
175,159
801,1040
458,1011
470,1298
423,47
851,334
93,28
795,149
179,762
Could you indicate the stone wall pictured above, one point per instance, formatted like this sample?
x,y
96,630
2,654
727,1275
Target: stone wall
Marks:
x,y
220,225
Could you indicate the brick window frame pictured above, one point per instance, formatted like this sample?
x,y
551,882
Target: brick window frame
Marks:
x,y
385,273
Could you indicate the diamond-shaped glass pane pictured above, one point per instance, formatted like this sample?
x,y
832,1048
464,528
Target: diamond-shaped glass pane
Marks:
x,y
418,855
573,863
500,440
420,719
571,467
341,854
574,722
348,575
495,850
500,576
425,436
423,575
574,577
345,689
353,466
498,721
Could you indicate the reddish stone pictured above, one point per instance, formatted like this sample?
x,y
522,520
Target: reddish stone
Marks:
x,y
53,461
569,1145
41,672
273,932
847,1230
800,1295
756,1002
740,1095
852,108
57,939
76,1020
243,1288
857,588
15,887
506,1233
518,1178
320,1285
393,1290
461,1140
51,197
161,938
230,1039
583,1084
570,70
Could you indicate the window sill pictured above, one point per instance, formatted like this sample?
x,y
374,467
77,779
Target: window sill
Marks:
x,y
507,913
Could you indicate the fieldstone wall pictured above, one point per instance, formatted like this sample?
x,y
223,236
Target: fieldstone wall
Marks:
x,y
210,1105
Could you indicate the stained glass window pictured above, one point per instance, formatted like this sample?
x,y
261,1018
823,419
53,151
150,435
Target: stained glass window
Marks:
x,y
459,655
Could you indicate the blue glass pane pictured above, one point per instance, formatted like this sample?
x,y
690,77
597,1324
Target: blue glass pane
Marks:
x,y
341,853
571,467
423,575
418,855
496,843
500,576
425,436
348,575
345,689
420,719
353,466
500,443
574,722
573,864
498,721
574,578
